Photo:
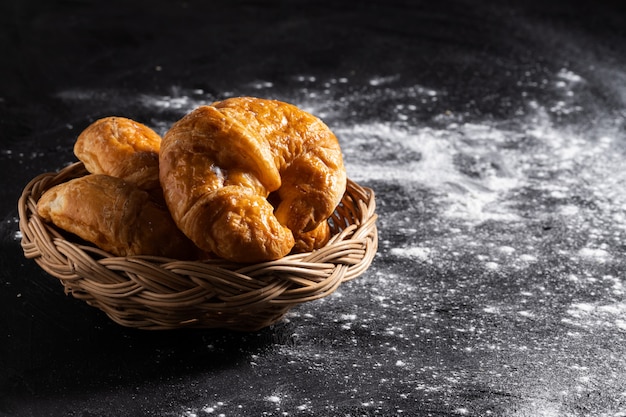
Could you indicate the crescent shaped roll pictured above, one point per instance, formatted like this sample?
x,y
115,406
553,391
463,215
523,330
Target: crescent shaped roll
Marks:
x,y
116,216
249,178
121,148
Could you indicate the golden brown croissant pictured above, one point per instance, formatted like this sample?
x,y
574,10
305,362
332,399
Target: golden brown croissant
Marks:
x,y
122,148
314,239
115,216
221,165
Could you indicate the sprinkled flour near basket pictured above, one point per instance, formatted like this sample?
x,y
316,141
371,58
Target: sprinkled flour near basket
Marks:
x,y
585,315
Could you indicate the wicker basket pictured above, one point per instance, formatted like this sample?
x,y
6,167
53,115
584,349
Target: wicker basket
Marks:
x,y
161,293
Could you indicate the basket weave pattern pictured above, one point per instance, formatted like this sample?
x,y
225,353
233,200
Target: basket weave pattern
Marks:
x,y
160,293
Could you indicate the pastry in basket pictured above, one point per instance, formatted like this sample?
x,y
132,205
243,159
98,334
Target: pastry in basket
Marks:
x,y
121,148
119,206
251,179
116,216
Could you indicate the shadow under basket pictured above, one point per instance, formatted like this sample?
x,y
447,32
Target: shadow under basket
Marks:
x,y
150,292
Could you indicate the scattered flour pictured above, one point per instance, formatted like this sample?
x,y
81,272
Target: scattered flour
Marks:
x,y
434,166
595,315
594,254
273,399
419,253
492,265
569,77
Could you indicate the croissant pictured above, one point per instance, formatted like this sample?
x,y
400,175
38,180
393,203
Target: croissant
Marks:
x,y
115,216
122,148
248,178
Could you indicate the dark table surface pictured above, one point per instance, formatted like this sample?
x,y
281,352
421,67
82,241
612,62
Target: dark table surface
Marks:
x,y
493,134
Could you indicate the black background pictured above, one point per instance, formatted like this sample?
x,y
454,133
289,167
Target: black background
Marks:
x,y
66,63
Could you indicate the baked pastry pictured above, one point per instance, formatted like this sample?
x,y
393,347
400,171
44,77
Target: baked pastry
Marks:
x,y
122,148
116,216
247,178
314,239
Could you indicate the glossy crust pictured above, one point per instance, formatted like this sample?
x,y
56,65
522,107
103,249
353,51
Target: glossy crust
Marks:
x,y
247,178
115,216
122,148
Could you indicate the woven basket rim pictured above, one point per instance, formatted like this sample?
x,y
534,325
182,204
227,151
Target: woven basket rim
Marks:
x,y
152,292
